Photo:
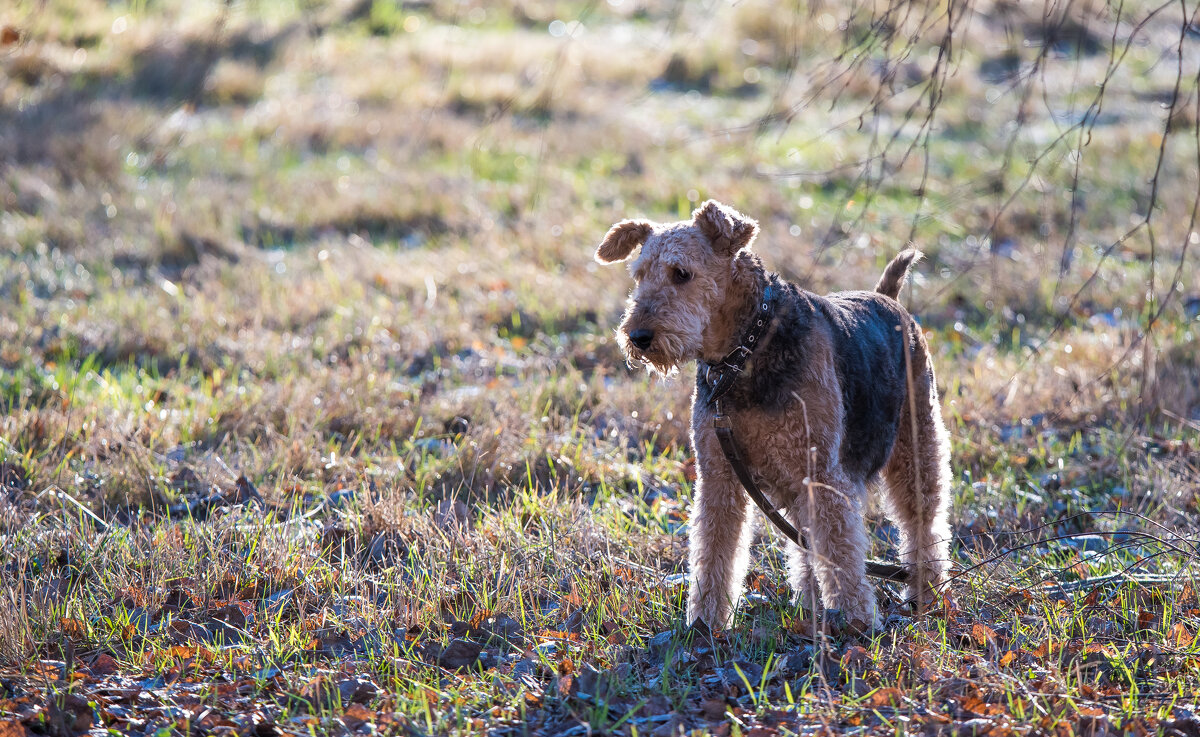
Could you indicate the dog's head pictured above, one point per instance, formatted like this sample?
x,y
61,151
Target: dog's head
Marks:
x,y
683,274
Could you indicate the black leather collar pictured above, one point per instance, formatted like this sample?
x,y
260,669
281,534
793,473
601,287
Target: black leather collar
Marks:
x,y
720,377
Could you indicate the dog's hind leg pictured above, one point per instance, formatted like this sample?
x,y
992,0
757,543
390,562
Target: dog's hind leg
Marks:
x,y
917,477
834,507
800,573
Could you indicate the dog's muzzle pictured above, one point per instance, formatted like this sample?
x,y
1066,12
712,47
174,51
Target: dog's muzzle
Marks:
x,y
641,338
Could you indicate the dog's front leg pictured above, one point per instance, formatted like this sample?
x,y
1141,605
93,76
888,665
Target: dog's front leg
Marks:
x,y
719,535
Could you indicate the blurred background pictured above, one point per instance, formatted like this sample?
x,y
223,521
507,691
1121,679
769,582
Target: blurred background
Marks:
x,y
344,249
393,204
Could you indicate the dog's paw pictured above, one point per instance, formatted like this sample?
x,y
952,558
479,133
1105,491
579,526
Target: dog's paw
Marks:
x,y
710,616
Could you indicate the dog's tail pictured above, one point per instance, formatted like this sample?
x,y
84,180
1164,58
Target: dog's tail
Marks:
x,y
896,273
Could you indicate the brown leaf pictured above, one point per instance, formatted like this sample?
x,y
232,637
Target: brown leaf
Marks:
x,y
68,713
1007,658
617,637
236,613
982,634
479,617
713,709
856,659
177,600
1048,647
887,697
72,627
460,654
50,669
184,631
668,728
1181,636
566,685
185,652
1188,594
356,715
104,665
11,727
979,705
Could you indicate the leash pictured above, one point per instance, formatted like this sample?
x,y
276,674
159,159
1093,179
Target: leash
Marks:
x,y
720,379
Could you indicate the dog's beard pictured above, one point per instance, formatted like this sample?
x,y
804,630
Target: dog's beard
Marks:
x,y
665,355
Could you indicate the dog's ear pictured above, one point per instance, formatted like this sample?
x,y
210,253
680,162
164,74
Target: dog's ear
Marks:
x,y
621,239
729,230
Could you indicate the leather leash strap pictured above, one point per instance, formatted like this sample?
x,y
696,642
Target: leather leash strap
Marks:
x,y
726,374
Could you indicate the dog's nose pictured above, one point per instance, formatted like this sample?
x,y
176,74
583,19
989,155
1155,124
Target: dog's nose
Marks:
x,y
641,338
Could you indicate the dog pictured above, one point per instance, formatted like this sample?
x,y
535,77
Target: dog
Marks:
x,y
834,395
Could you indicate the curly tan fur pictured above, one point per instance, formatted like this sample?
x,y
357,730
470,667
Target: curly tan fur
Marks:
x,y
838,396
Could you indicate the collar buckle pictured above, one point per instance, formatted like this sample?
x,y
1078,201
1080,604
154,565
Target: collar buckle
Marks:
x,y
735,358
720,377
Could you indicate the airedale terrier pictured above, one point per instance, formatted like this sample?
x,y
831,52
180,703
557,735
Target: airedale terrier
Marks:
x,y
833,393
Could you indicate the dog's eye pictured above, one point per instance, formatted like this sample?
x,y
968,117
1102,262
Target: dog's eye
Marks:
x,y
681,276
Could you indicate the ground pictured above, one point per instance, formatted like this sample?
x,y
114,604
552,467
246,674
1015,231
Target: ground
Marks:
x,y
312,419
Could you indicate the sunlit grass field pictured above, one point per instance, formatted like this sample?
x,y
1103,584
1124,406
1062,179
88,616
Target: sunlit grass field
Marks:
x,y
312,420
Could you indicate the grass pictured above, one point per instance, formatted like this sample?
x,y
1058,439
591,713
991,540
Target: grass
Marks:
x,y
311,416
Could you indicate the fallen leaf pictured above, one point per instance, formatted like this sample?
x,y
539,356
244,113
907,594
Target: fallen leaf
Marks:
x,y
713,709
887,697
357,690
72,627
459,654
982,634
69,711
566,685
185,652
356,715
856,659
668,728
104,665
12,728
